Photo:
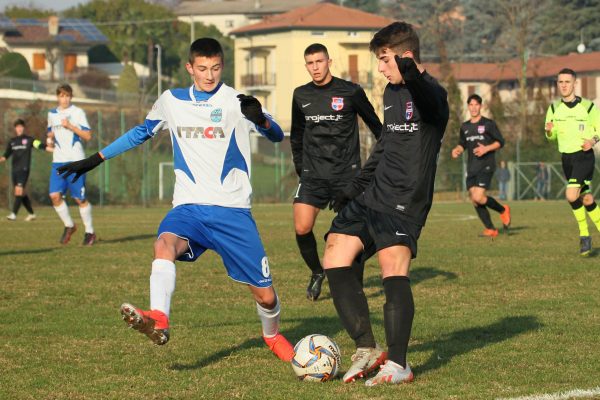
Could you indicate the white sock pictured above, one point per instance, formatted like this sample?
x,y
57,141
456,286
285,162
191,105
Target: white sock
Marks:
x,y
86,217
162,285
63,213
269,319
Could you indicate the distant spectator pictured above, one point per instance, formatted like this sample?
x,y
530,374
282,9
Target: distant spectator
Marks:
x,y
541,181
502,176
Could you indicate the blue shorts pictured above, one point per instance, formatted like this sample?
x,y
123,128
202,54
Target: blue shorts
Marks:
x,y
231,232
58,184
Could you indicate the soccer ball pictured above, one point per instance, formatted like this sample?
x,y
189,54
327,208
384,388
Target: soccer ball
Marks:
x,y
317,358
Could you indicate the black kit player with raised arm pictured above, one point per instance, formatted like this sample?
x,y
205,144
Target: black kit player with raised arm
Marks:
x,y
326,150
387,206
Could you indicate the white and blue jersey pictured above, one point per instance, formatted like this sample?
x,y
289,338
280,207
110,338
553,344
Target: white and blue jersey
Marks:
x,y
212,195
68,147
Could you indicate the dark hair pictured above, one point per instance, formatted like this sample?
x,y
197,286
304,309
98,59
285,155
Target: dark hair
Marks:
x,y
316,48
567,71
398,36
19,122
64,88
206,47
475,97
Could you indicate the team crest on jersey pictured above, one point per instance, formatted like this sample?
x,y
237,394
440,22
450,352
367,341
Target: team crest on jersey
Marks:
x,y
409,110
581,128
480,128
23,141
337,103
216,115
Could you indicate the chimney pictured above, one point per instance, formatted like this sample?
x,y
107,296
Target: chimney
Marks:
x,y
53,25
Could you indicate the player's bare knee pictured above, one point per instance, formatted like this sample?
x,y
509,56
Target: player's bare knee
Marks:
x,y
56,199
163,249
265,298
588,200
302,228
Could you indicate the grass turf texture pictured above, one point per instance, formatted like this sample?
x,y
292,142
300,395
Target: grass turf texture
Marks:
x,y
514,316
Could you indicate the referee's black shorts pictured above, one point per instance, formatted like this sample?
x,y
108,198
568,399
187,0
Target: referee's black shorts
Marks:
x,y
318,192
20,177
579,169
375,229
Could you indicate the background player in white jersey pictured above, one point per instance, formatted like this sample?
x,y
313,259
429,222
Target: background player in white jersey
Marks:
x,y
209,129
67,127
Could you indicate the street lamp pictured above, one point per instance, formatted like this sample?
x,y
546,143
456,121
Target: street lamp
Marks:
x,y
159,68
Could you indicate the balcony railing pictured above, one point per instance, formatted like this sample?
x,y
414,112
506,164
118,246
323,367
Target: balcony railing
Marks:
x,y
251,80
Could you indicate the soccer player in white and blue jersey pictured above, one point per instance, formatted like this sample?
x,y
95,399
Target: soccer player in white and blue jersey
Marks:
x,y
209,124
68,127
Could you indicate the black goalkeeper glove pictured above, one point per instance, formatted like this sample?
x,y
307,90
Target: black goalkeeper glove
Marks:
x,y
252,109
342,198
80,167
408,69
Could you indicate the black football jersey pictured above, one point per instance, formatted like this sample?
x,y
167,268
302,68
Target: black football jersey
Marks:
x,y
324,134
483,132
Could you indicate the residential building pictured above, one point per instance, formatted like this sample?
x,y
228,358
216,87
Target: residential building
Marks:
x,y
228,15
54,48
269,55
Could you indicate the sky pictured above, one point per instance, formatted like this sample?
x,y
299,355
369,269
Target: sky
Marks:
x,y
57,5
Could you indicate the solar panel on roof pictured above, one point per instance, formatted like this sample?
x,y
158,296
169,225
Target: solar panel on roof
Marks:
x,y
88,30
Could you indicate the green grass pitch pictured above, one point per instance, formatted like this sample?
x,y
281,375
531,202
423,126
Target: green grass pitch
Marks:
x,y
515,316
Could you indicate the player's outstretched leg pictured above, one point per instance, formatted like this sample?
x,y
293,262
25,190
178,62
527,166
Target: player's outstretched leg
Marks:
x,y
269,319
153,323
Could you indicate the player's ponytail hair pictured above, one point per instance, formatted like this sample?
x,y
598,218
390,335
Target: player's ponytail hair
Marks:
x,y
206,47
399,37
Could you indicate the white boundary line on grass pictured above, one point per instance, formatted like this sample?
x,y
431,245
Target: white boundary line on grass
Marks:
x,y
452,217
571,394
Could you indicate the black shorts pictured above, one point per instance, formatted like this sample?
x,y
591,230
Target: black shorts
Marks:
x,y
579,169
376,230
481,178
319,192
19,178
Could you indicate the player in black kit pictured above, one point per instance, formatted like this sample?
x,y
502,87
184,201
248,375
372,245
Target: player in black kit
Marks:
x,y
387,205
326,150
19,147
480,137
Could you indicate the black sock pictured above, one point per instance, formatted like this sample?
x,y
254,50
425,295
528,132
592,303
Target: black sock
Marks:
x,y
351,305
358,266
398,313
577,204
27,204
494,205
484,216
17,204
591,207
308,249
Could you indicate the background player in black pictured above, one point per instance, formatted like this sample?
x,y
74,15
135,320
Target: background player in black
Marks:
x,y
19,147
326,150
391,199
481,138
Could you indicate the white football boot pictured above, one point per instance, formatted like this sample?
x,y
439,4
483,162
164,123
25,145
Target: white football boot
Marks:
x,y
393,373
364,361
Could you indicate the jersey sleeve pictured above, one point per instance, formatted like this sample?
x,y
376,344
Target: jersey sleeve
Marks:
x,y
366,111
155,121
594,119
82,121
550,118
297,136
462,139
495,133
8,150
274,133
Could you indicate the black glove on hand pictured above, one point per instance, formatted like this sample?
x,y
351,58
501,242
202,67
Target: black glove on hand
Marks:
x,y
408,69
252,109
342,198
80,167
